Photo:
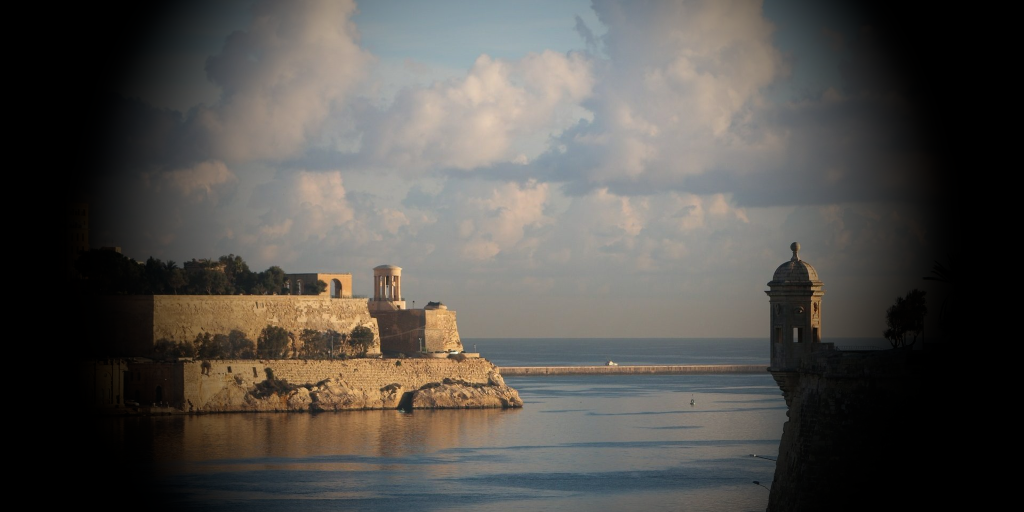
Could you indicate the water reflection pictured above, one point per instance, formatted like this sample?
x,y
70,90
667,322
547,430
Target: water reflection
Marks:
x,y
602,443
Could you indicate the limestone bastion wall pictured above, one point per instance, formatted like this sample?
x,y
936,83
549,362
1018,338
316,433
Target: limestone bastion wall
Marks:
x,y
441,331
409,330
199,385
132,324
855,420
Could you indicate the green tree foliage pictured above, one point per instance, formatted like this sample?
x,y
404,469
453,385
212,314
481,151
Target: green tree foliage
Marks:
x,y
361,338
236,270
106,272
271,281
313,344
169,350
213,346
315,289
273,343
240,347
320,344
209,282
905,319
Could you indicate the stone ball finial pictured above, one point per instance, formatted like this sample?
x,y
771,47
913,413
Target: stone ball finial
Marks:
x,y
795,247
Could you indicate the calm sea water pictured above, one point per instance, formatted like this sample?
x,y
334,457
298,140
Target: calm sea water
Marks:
x,y
610,442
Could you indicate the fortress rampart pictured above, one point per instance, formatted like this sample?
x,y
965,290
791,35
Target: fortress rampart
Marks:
x,y
856,421
129,326
402,330
220,386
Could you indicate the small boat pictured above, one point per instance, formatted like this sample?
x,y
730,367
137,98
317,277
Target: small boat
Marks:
x,y
611,363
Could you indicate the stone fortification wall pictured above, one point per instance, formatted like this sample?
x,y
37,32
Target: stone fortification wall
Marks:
x,y
441,331
358,373
299,385
860,433
401,330
130,325
120,326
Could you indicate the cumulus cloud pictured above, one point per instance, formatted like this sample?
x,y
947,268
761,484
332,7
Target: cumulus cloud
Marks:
x,y
281,80
477,120
677,89
298,211
502,218
200,181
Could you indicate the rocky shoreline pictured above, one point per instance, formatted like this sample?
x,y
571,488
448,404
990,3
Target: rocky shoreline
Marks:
x,y
269,386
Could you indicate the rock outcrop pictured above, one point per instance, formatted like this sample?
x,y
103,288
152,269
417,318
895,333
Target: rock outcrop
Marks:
x,y
336,395
452,394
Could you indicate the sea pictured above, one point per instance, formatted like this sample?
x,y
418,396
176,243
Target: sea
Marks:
x,y
580,442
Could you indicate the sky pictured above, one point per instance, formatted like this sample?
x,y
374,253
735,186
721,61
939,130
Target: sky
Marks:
x,y
544,169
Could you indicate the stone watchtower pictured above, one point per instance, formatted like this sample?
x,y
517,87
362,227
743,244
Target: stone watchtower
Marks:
x,y
387,289
795,294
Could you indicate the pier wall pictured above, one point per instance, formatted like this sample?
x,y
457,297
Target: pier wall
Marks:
x,y
509,371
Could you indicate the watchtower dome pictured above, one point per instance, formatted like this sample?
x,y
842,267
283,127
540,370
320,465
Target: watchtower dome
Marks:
x,y
795,294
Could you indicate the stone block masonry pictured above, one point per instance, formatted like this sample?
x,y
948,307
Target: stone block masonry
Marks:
x,y
227,385
131,325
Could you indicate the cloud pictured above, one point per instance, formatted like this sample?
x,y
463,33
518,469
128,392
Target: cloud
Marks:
x,y
200,181
282,78
502,219
296,213
479,119
675,99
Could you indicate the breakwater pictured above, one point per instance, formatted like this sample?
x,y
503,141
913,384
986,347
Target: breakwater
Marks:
x,y
693,369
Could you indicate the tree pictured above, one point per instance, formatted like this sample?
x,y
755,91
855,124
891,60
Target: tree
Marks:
x,y
240,347
361,338
316,289
273,342
272,280
214,346
314,344
107,272
165,349
209,282
176,277
905,319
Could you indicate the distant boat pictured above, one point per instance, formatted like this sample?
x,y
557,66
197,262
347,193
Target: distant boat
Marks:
x,y
611,363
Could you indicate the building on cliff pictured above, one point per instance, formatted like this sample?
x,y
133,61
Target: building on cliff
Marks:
x,y
431,330
861,424
128,327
